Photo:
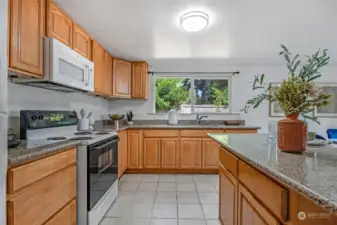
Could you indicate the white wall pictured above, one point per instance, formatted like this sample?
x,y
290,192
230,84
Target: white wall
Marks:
x,y
241,91
25,97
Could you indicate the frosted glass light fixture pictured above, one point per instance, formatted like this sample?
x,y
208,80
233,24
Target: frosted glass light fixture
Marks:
x,y
194,21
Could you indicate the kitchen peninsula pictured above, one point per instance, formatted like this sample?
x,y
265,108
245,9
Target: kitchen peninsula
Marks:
x,y
262,184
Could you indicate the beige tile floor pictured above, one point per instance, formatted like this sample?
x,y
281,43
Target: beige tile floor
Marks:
x,y
154,199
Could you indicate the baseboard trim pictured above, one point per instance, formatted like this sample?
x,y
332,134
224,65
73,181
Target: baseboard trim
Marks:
x,y
172,171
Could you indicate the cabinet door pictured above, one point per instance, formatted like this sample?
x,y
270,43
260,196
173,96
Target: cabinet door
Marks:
x,y
121,78
120,156
27,23
169,153
102,62
122,153
107,81
60,26
139,84
81,42
134,149
124,141
227,197
190,153
250,211
210,154
151,150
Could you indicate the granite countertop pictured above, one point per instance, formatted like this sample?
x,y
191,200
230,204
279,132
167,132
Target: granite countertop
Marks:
x,y
24,153
178,126
27,152
312,173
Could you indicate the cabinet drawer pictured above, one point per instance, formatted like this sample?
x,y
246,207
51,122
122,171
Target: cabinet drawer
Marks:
x,y
160,133
37,203
67,216
272,195
21,176
198,133
229,161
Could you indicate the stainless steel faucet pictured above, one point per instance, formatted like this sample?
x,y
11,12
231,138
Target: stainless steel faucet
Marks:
x,y
199,118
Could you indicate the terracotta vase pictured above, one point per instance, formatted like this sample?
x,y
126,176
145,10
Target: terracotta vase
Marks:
x,y
292,134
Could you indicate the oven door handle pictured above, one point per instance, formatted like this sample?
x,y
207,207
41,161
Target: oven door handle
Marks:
x,y
102,146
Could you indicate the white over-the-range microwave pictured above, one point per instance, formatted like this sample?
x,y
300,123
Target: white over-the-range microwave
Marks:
x,y
65,70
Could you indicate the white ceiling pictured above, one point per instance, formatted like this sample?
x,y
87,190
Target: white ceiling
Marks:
x,y
241,32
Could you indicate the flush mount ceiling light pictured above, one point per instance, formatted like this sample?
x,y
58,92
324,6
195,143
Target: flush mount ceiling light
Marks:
x,y
194,21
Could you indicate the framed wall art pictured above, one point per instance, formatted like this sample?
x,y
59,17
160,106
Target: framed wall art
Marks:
x,y
331,109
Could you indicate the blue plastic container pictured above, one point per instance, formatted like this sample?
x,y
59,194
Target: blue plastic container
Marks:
x,y
332,133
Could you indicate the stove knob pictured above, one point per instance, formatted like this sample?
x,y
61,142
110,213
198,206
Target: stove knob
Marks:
x,y
40,117
34,117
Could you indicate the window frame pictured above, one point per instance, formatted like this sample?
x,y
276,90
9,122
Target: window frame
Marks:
x,y
193,77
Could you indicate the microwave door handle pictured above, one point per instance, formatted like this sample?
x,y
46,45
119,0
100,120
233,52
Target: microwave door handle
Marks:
x,y
87,77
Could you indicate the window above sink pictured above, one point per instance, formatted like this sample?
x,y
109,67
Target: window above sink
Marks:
x,y
192,94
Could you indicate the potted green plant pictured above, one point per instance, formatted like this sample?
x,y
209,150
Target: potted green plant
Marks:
x,y
295,95
129,117
219,98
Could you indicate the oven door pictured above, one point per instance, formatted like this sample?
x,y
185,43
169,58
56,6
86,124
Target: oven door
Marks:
x,y
67,67
102,169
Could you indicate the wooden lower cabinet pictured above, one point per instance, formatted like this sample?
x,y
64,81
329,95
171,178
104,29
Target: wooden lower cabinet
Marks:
x,y
210,154
227,197
135,141
160,153
250,211
122,153
151,153
67,216
169,153
37,203
190,153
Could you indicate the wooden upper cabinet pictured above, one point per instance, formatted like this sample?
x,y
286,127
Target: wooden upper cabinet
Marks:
x,y
27,28
81,41
107,81
169,153
139,84
250,211
151,156
210,154
227,197
190,153
134,149
103,70
59,25
121,78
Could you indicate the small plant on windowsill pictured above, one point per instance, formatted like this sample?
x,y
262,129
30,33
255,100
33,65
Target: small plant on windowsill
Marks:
x,y
295,95
220,97
129,117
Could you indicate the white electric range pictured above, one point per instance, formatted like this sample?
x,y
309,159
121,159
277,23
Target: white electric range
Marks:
x,y
97,158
